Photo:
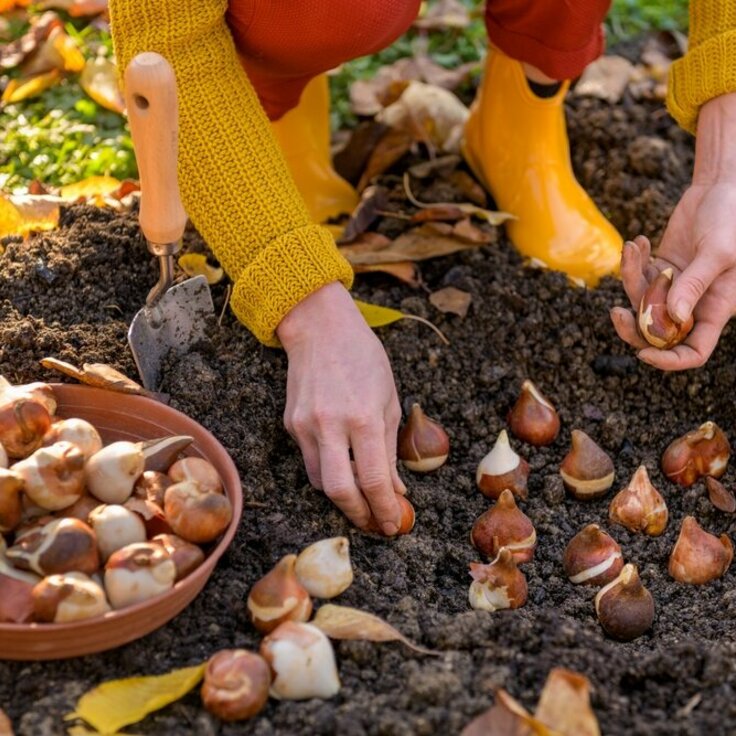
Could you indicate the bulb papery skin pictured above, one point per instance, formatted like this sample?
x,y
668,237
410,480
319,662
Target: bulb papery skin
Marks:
x,y
302,662
699,557
324,568
423,444
137,573
72,596
719,496
640,507
498,585
278,596
505,525
703,451
655,324
625,608
587,471
77,431
112,472
592,557
502,468
533,418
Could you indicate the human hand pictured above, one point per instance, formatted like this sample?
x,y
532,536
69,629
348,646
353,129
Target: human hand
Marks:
x,y
340,395
699,244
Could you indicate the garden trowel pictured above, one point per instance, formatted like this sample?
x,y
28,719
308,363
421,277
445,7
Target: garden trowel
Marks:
x,y
175,315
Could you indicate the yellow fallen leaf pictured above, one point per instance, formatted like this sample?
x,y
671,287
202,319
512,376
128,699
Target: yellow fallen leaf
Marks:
x,y
93,186
58,51
343,622
10,219
38,212
377,316
22,89
99,79
118,703
195,264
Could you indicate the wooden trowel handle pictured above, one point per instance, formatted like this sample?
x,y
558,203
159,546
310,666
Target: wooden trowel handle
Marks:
x,y
150,96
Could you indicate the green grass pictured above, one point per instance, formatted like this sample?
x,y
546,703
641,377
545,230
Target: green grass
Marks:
x,y
62,136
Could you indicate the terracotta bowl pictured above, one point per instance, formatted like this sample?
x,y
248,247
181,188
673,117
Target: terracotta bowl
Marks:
x,y
123,417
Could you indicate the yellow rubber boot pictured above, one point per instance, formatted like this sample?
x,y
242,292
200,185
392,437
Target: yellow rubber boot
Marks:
x,y
304,136
516,143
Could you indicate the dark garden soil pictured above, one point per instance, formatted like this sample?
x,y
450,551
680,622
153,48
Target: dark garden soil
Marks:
x,y
72,292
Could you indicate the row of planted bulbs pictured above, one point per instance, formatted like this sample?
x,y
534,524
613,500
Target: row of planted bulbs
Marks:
x,y
506,536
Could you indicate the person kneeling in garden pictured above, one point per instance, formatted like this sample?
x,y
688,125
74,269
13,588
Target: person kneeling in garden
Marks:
x,y
256,180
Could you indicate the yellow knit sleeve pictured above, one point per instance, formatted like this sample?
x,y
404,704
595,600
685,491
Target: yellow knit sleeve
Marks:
x,y
708,69
234,181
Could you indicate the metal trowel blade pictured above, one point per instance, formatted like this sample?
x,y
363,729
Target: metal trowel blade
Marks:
x,y
178,320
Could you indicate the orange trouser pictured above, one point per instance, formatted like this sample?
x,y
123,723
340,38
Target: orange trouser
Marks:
x,y
285,43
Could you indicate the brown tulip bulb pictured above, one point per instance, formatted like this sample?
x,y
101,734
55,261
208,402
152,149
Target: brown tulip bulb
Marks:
x,y
502,468
69,597
640,507
11,505
587,471
196,514
423,443
498,585
592,557
699,557
718,494
151,486
505,525
37,391
137,573
198,470
187,557
62,545
406,522
23,424
655,323
704,451
533,419
16,592
53,477
278,596
625,608
236,684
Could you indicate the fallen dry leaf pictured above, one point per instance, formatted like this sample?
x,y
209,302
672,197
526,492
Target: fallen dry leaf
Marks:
x,y
343,622
440,166
23,89
720,496
99,375
76,8
377,316
564,705
92,187
428,114
469,187
195,264
373,201
451,300
450,79
506,717
369,96
443,212
38,212
351,160
12,54
606,78
99,79
58,51
6,727
442,15
7,5
10,219
389,149
466,230
404,271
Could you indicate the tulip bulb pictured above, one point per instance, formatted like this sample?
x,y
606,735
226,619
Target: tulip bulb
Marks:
x,y
115,527
53,477
533,419
592,557
11,505
502,468
324,567
699,557
704,451
640,507
236,684
196,514
278,596
587,471
187,557
423,443
23,424
505,525
655,323
625,608
37,391
718,494
198,470
72,596
137,573
77,431
497,585
406,521
302,662
16,601
4,460
112,472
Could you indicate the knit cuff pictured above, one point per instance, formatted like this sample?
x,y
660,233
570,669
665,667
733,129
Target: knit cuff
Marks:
x,y
288,270
705,72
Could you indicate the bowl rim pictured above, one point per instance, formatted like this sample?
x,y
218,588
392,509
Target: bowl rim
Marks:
x,y
203,572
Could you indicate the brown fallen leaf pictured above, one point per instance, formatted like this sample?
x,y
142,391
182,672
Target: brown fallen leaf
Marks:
x,y
373,200
389,149
606,78
443,212
351,160
469,187
58,51
720,496
12,54
440,166
451,300
466,230
343,622
450,79
99,79
6,727
506,717
98,375
404,271
442,15
369,96
564,705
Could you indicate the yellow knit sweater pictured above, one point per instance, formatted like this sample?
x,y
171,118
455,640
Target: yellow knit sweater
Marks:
x,y
708,69
234,181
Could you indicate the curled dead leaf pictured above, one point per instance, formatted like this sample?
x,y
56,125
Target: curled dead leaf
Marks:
x,y
606,78
343,622
404,271
99,79
451,300
373,201
99,375
195,264
392,145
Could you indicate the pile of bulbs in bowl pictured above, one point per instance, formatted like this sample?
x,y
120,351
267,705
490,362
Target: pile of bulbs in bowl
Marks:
x,y
87,528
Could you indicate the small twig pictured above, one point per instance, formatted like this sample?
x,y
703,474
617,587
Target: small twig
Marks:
x,y
434,327
396,215
228,292
409,195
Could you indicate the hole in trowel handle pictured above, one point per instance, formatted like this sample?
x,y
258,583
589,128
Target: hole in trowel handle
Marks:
x,y
141,102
